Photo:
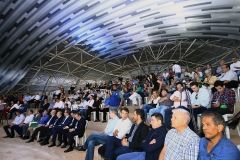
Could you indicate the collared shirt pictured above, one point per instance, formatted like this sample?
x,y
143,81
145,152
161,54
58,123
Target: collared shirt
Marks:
x,y
180,96
52,105
133,132
167,102
165,75
106,102
69,104
36,97
181,146
18,119
49,120
59,105
57,92
75,96
44,119
237,64
27,98
176,68
15,106
202,98
84,104
228,76
123,127
227,97
223,150
110,126
219,70
28,119
90,103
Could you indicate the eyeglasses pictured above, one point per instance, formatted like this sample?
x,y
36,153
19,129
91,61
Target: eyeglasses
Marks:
x,y
196,97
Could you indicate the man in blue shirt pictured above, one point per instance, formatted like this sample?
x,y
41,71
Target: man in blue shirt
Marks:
x,y
215,146
97,138
116,98
152,144
105,108
200,99
27,97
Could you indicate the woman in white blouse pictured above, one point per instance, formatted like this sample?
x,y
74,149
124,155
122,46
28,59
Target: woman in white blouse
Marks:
x,y
151,104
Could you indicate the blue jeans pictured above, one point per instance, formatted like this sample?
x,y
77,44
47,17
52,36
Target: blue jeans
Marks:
x,y
83,112
115,148
178,74
94,139
146,108
159,109
126,97
132,156
238,72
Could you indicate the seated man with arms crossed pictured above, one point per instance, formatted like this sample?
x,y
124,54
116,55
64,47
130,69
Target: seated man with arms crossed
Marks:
x,y
130,143
215,146
122,127
152,144
180,142
97,138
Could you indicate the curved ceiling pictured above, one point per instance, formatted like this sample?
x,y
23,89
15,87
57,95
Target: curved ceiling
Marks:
x,y
110,30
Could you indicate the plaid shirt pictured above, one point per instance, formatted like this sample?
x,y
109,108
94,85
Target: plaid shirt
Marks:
x,y
181,146
227,97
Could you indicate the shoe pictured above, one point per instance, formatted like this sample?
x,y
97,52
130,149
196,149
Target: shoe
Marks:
x,y
7,136
69,150
44,143
40,140
64,146
104,121
30,140
59,144
80,148
25,137
97,120
51,145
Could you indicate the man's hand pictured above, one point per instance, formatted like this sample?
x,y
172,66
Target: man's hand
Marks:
x,y
153,141
216,104
102,132
120,107
124,142
50,127
115,133
70,130
175,98
12,125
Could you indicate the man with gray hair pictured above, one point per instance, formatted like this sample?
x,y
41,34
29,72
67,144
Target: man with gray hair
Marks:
x,y
97,138
180,142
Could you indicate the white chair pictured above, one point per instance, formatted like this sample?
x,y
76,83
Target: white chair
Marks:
x,y
93,114
148,118
238,146
238,92
101,116
83,138
146,99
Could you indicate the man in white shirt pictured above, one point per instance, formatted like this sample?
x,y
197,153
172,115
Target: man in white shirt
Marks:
x,y
176,69
35,99
200,99
76,96
15,125
26,122
191,74
57,92
235,66
219,69
82,108
59,105
165,76
228,77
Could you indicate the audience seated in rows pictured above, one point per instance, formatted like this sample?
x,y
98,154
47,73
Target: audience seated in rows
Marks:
x,y
228,77
35,99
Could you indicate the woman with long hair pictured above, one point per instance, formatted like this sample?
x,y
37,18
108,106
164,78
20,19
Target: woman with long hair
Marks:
x,y
156,84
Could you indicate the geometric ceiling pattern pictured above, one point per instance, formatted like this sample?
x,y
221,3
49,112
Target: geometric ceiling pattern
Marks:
x,y
77,40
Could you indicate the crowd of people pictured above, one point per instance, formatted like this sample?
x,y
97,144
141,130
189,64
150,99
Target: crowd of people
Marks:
x,y
176,98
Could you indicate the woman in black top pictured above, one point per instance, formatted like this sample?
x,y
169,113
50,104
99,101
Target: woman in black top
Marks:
x,y
156,84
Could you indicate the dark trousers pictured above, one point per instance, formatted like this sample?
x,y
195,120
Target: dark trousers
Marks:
x,y
102,149
197,111
170,80
54,133
89,110
221,111
104,110
71,136
115,148
231,84
63,133
11,112
11,128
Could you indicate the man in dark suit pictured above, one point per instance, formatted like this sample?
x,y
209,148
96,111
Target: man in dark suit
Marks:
x,y
131,143
43,128
44,106
65,122
78,130
57,122
62,133
43,97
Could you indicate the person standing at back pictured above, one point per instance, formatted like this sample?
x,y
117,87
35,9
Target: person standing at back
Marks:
x,y
116,98
176,69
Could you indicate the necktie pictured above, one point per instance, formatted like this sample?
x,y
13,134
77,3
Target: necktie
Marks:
x,y
72,122
64,120
49,120
76,125
42,97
